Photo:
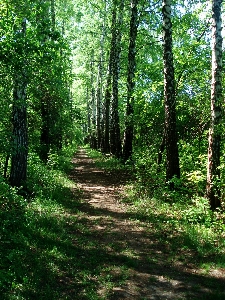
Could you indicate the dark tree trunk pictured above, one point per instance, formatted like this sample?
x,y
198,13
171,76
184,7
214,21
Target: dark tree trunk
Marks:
x,y
115,138
108,89
100,106
93,137
213,172
128,135
43,15
51,135
107,114
45,131
172,157
6,165
161,150
18,172
53,14
98,115
88,131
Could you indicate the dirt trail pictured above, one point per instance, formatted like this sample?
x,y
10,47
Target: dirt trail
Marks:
x,y
133,244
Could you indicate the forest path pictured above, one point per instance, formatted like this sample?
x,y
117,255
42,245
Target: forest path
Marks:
x,y
128,253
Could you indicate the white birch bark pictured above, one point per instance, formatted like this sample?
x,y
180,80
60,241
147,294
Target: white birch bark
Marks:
x,y
213,172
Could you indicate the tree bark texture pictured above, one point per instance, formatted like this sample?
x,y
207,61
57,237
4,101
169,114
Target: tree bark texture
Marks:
x,y
18,172
93,140
172,157
99,96
129,130
88,115
45,129
115,138
213,171
108,94
108,88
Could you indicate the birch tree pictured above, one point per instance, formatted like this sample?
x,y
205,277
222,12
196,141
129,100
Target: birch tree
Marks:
x,y
172,158
115,139
213,171
128,135
107,102
108,87
99,96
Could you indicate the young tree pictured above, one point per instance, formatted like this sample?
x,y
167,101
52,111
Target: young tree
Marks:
x,y
213,171
172,157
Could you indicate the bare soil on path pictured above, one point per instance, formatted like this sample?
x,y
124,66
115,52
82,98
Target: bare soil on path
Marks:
x,y
135,259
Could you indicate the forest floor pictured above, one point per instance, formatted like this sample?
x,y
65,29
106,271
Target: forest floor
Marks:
x,y
124,256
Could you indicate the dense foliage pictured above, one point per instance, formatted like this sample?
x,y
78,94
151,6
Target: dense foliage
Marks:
x,y
141,110
71,72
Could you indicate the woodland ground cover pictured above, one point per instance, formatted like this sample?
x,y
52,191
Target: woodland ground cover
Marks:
x,y
55,245
181,210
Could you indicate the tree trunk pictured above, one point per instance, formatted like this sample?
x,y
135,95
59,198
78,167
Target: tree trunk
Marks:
x,y
51,128
172,157
161,150
128,135
115,138
93,137
108,89
88,131
6,165
108,93
99,113
213,171
100,108
18,172
45,130
53,14
42,16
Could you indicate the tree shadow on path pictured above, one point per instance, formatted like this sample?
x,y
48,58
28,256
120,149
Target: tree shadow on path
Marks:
x,y
127,244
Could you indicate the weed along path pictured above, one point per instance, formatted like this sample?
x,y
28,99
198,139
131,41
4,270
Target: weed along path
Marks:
x,y
121,255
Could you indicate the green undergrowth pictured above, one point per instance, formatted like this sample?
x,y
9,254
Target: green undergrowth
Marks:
x,y
187,225
108,162
180,221
46,248
48,245
183,216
